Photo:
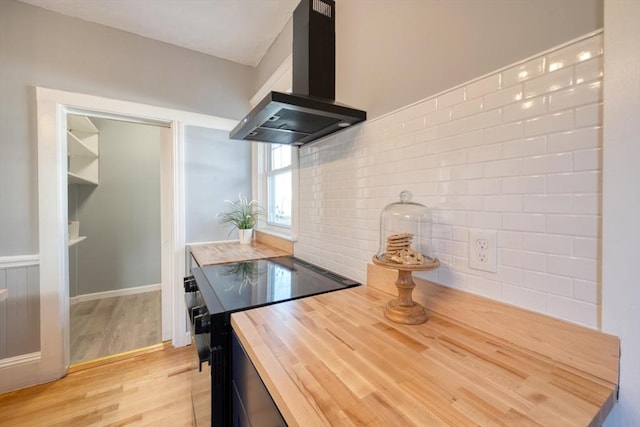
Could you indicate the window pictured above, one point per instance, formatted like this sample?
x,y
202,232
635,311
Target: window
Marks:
x,y
279,185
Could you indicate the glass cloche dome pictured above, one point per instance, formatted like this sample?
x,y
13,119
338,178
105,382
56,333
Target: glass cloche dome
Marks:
x,y
405,233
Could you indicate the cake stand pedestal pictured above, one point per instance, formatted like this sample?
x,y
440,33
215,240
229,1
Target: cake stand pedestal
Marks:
x,y
403,309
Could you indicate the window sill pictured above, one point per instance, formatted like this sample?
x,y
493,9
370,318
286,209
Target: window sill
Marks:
x,y
281,233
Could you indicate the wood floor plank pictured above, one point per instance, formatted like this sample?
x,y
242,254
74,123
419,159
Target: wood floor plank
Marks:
x,y
114,325
148,388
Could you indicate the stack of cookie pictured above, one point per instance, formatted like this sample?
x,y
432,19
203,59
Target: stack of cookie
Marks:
x,y
399,250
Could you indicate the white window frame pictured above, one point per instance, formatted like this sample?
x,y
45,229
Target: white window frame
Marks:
x,y
271,173
280,80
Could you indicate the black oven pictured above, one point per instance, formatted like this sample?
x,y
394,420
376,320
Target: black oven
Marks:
x,y
213,292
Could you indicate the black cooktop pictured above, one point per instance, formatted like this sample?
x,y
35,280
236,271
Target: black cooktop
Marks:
x,y
227,288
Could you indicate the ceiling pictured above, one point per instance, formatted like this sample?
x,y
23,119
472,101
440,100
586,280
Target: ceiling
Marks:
x,y
237,30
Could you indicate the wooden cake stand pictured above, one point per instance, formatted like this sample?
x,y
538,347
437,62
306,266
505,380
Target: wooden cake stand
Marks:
x,y
404,309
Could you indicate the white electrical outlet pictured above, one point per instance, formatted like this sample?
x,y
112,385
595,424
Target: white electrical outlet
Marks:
x,y
482,250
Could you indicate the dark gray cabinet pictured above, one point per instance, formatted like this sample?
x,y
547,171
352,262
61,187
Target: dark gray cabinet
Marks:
x,y
252,404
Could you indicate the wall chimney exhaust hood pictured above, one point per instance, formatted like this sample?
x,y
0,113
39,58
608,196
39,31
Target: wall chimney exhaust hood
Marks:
x,y
310,112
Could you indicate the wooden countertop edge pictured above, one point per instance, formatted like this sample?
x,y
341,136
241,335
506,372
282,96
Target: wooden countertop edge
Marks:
x,y
585,349
267,363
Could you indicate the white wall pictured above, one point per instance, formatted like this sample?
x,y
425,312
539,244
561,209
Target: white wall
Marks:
x,y
517,151
621,200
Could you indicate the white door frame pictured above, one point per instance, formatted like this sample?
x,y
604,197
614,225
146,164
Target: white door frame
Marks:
x,y
52,107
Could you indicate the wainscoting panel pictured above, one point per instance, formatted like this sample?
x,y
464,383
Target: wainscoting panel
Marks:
x,y
20,311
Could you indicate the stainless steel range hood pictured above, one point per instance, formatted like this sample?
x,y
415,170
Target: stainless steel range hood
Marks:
x,y
310,112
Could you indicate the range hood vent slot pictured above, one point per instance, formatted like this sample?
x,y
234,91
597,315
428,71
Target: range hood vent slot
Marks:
x,y
322,8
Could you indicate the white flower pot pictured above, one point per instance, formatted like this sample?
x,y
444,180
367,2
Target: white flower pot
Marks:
x,y
245,236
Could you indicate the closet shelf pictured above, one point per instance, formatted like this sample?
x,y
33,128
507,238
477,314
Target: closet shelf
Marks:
x,y
76,179
76,240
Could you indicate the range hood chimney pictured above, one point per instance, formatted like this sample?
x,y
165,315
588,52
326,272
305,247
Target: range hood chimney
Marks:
x,y
310,112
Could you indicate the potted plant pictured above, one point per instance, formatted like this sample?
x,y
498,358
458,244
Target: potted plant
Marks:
x,y
243,215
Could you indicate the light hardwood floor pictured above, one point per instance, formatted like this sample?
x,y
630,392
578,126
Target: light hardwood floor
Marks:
x,y
114,325
144,388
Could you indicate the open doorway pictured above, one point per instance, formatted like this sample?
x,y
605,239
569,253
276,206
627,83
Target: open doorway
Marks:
x,y
114,213
53,359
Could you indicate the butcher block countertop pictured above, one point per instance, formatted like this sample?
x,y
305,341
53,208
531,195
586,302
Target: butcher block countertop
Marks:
x,y
264,246
334,359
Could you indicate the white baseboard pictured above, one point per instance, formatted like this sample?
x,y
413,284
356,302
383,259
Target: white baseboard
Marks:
x,y
19,371
115,293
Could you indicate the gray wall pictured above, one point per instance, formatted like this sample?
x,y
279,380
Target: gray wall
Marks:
x,y
392,53
216,169
43,48
121,216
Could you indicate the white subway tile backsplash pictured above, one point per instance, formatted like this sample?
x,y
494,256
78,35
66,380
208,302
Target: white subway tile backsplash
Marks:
x,y
522,259
503,97
452,188
451,158
550,163
503,133
484,86
517,151
465,140
484,120
550,123
573,267
485,186
484,153
438,117
468,108
524,147
484,287
428,134
545,243
524,184
453,97
549,283
586,247
484,220
415,124
575,140
425,107
589,115
579,182
509,239
573,310
526,298
585,290
503,203
525,109
587,93
548,83
587,160
548,203
520,73
524,222
587,204
454,127
575,225
589,70
509,275
575,53
499,168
